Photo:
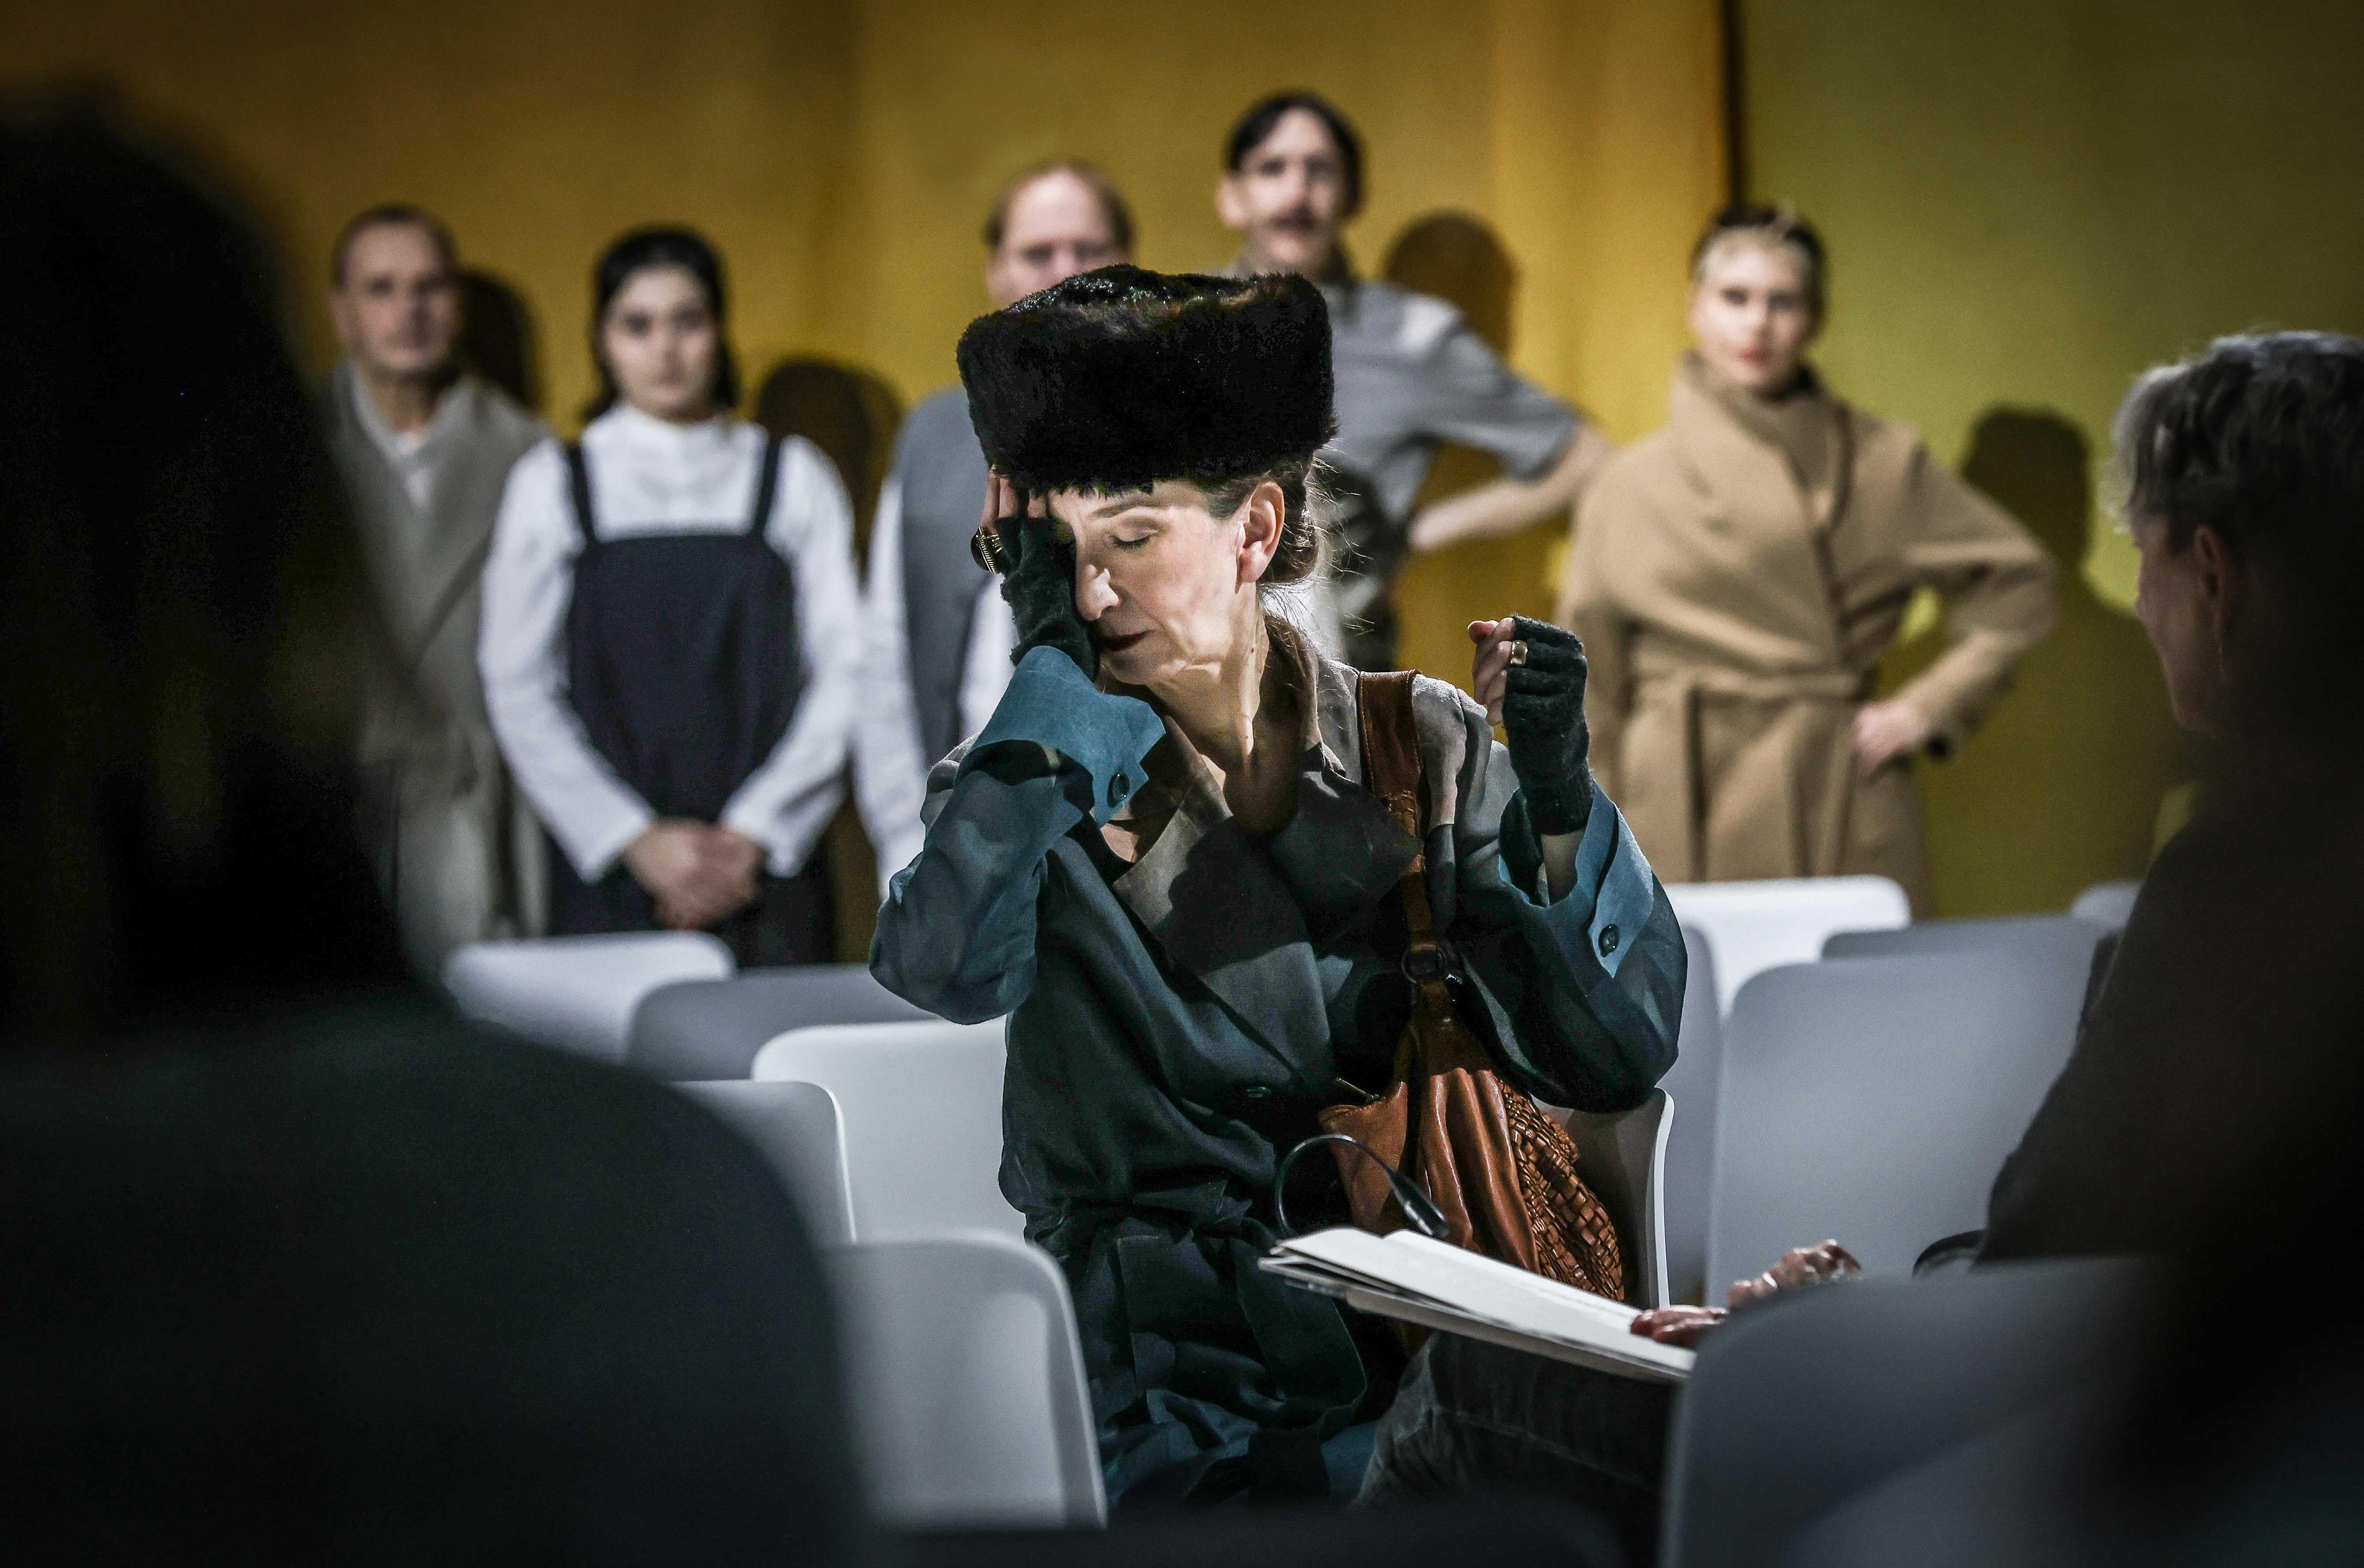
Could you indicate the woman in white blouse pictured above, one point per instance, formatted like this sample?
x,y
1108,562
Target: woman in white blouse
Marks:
x,y
670,632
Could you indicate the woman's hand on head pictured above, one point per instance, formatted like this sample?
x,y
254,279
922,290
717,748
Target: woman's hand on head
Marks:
x,y
1039,583
1530,676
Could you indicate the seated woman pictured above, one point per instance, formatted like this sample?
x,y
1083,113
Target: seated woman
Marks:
x,y
1160,859
2205,1116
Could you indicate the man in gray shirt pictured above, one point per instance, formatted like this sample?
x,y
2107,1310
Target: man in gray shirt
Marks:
x,y
1411,372
938,634
424,450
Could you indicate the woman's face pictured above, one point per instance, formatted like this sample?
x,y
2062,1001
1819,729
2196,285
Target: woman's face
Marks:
x,y
2178,593
661,342
1751,316
1166,587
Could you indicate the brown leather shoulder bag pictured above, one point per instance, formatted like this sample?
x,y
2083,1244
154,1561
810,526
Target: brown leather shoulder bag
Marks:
x,y
1501,1170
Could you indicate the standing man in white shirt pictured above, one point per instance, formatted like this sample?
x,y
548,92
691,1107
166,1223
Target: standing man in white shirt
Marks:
x,y
424,449
1411,371
672,629
938,636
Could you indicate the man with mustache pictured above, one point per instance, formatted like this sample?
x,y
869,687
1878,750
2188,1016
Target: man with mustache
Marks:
x,y
1411,372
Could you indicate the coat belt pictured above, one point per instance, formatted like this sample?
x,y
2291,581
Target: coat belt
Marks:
x,y
1684,685
1686,689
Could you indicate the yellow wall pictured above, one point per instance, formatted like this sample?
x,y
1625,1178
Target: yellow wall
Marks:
x,y
841,153
2027,201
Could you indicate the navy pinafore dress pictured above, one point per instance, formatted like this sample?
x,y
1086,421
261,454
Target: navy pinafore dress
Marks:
x,y
683,663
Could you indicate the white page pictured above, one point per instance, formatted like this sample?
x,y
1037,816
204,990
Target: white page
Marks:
x,y
1409,1264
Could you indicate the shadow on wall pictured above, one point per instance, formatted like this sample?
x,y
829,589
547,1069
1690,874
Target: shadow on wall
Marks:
x,y
848,413
1458,258
2064,786
497,338
852,415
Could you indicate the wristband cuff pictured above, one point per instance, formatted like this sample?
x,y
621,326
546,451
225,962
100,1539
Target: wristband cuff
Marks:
x,y
1563,806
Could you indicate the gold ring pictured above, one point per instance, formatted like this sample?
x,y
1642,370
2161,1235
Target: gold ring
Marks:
x,y
1519,650
984,548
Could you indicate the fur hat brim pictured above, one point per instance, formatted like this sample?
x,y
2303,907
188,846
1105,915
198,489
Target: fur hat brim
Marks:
x,y
1118,378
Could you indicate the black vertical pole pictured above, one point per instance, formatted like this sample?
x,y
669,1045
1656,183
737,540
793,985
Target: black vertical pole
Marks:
x,y
1735,103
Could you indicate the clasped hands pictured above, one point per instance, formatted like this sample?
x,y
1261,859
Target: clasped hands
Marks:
x,y
1817,1265
699,873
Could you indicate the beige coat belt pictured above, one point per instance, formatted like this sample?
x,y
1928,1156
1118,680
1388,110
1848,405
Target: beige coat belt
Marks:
x,y
1685,689
1684,684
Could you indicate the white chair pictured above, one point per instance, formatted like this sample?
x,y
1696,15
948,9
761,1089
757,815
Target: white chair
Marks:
x,y
577,993
703,1029
1624,1159
966,1379
1958,936
919,1120
1692,1084
1752,925
794,1126
2106,903
1873,1099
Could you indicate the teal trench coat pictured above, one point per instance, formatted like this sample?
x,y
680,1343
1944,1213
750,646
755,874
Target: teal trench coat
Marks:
x,y
1176,1021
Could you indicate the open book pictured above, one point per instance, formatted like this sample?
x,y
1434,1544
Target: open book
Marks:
x,y
1440,1286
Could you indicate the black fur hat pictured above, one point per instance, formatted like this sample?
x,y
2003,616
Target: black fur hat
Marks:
x,y
1116,379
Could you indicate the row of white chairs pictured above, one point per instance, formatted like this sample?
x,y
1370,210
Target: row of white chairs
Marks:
x,y
1750,926
1846,1072
1870,1097
974,1410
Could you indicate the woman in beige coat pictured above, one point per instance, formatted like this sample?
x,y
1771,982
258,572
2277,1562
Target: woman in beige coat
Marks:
x,y
1737,576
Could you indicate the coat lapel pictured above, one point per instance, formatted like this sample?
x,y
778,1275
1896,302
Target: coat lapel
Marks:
x,y
422,556
1744,486
1341,851
1233,910
1205,890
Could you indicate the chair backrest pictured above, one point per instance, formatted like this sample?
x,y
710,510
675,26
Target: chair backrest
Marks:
x,y
1623,1157
795,1126
1752,926
1813,1398
577,993
1873,1099
1692,1085
966,1377
2106,903
695,1030
920,1118
1958,936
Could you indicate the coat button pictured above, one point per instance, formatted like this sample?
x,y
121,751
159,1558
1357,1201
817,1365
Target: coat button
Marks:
x,y
1608,940
1256,1091
1116,790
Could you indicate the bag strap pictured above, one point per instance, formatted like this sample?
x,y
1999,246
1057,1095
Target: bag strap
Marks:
x,y
578,487
767,484
1393,770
